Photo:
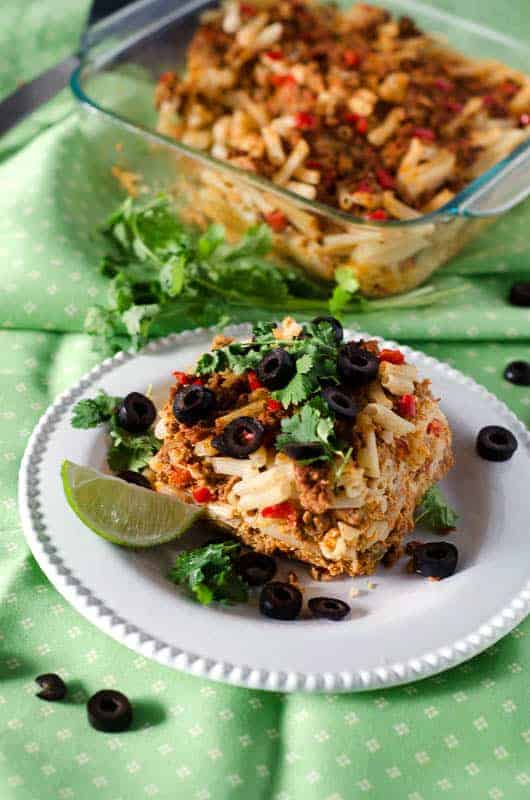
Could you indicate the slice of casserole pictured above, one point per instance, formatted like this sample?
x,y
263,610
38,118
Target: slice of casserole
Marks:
x,y
305,444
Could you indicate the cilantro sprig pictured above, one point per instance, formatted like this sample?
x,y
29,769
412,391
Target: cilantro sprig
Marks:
x,y
315,356
165,277
126,450
94,411
435,512
209,573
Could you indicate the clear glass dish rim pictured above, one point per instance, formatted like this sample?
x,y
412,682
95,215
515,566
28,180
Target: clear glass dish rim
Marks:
x,y
454,208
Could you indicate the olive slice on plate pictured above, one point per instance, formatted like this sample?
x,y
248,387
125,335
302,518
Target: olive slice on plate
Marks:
x,y
495,443
280,600
130,476
193,403
336,326
240,438
136,413
256,568
276,369
303,452
357,366
435,559
340,403
328,608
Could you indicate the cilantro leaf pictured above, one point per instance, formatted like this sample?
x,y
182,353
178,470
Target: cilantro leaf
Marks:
x,y
346,287
209,573
301,385
435,512
127,450
92,412
130,450
297,390
307,426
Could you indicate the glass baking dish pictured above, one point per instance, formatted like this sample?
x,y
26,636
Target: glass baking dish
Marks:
x,y
124,56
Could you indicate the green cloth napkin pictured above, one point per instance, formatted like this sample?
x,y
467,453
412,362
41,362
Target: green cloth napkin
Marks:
x,y
462,734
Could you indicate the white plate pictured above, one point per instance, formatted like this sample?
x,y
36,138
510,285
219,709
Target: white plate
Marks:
x,y
403,629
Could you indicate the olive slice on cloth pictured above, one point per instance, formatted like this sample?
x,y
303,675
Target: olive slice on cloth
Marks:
x,y
52,687
435,559
518,372
520,294
109,711
495,443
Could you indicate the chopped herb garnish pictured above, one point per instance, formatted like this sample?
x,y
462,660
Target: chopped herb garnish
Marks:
x,y
127,450
308,426
210,574
165,277
93,412
434,511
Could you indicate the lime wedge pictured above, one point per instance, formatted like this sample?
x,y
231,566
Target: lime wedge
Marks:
x,y
122,512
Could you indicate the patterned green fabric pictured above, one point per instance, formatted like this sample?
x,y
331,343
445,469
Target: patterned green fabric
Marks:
x,y
463,734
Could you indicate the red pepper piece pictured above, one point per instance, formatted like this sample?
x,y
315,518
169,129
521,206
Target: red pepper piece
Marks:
x,y
274,55
197,382
426,134
283,80
454,105
434,427
362,125
182,378
167,77
284,510
351,58
508,88
273,405
202,495
247,10
364,186
444,85
379,214
311,164
351,119
180,477
393,356
407,405
253,381
276,220
306,121
385,179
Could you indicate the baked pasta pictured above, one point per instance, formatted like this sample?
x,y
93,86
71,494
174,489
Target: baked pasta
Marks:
x,y
305,444
350,107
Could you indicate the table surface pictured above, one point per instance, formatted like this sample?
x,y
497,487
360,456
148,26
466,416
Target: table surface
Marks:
x,y
462,734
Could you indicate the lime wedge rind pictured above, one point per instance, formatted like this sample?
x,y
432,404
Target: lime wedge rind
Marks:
x,y
123,513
